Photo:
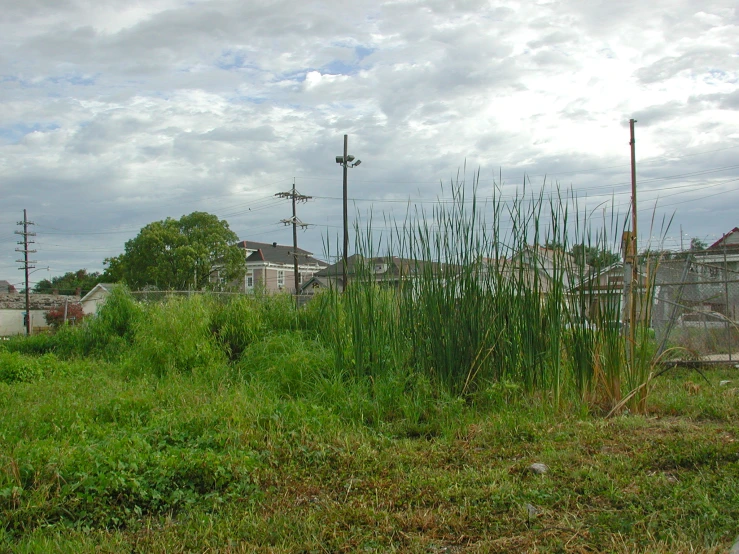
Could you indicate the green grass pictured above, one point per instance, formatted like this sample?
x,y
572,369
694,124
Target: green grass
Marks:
x,y
253,459
381,420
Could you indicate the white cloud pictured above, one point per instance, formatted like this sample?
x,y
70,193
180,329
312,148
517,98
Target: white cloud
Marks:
x,y
114,114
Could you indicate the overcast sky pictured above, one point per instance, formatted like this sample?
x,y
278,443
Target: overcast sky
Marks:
x,y
117,113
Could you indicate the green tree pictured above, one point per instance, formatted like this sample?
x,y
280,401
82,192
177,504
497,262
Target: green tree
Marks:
x,y
594,256
697,244
69,282
113,272
657,255
194,252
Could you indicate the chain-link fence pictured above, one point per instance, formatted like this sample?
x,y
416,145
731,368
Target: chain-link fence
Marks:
x,y
696,306
162,295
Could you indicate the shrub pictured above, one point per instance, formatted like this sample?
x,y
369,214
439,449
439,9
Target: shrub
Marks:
x,y
73,312
17,368
287,363
35,344
111,330
236,324
176,337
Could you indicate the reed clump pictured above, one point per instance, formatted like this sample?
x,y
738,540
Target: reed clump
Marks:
x,y
472,294
452,302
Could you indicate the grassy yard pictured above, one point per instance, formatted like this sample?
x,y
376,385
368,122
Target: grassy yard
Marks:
x,y
97,460
401,417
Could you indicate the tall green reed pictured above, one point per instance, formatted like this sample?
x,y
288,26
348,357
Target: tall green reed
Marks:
x,y
489,291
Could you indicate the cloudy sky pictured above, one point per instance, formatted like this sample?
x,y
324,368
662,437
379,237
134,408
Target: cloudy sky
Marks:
x,y
117,113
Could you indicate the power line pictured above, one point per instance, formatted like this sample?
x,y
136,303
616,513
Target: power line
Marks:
x,y
479,200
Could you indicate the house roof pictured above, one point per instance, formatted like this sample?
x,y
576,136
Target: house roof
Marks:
x,y
324,282
393,266
730,240
16,301
6,287
353,263
277,253
107,287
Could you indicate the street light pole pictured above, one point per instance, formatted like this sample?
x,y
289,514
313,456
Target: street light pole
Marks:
x,y
345,162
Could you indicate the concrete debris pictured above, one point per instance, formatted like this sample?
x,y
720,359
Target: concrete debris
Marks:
x,y
539,469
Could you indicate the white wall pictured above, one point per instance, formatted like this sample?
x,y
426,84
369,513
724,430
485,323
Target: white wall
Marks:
x,y
11,321
93,302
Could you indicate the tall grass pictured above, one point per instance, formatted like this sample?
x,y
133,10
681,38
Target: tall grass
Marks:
x,y
454,301
476,298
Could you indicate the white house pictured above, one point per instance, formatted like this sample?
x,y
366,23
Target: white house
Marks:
x,y
97,296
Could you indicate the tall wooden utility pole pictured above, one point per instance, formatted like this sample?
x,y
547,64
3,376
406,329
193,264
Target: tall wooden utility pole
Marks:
x,y
346,218
634,248
26,263
631,259
296,197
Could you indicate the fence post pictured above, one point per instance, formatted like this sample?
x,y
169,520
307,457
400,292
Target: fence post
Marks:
x,y
726,298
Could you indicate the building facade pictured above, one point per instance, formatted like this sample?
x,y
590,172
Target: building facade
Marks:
x,y
270,267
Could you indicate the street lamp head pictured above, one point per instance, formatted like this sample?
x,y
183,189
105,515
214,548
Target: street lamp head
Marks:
x,y
350,158
339,159
355,164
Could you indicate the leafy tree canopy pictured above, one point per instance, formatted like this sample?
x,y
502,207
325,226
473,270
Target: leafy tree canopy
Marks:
x,y
69,282
697,244
194,252
73,312
657,255
113,272
595,256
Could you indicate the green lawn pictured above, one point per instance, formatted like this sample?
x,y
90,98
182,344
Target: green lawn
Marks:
x,y
97,459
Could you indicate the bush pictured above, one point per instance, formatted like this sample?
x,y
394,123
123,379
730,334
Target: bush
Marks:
x,y
279,312
109,332
176,337
73,312
17,368
287,363
236,324
35,344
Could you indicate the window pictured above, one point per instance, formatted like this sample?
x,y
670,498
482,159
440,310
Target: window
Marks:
x,y
280,278
249,280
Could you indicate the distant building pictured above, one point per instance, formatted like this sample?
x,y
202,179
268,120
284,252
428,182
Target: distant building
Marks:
x,y
6,288
385,270
710,294
97,296
270,267
723,251
13,311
